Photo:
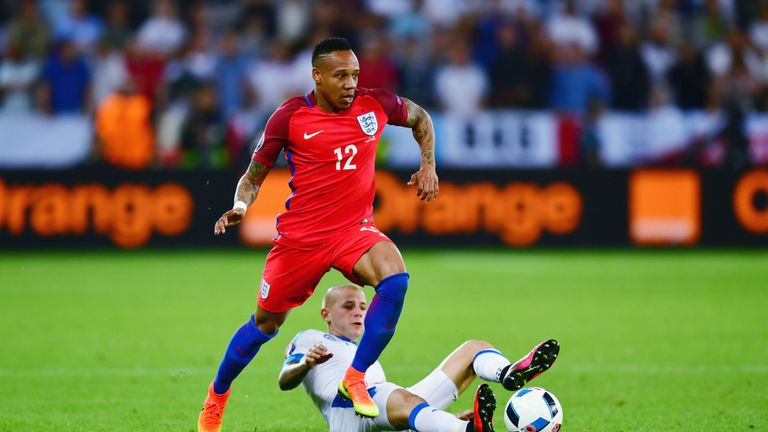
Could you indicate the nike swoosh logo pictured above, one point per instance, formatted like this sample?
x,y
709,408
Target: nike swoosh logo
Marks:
x,y
308,136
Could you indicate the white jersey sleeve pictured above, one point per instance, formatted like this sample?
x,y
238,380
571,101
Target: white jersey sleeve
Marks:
x,y
321,383
301,344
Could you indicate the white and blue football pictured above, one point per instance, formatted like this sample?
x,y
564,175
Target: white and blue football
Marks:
x,y
533,409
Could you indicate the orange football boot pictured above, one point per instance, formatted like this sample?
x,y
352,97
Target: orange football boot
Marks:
x,y
353,387
210,416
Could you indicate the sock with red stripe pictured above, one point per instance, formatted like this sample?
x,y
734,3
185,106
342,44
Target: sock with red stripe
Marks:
x,y
243,346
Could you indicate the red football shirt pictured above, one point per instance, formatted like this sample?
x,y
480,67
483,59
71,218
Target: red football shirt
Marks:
x,y
331,157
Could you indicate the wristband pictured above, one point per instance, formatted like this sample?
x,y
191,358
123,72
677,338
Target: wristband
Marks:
x,y
241,205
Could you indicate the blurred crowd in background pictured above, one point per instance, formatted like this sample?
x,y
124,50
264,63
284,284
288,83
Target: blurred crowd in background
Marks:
x,y
190,83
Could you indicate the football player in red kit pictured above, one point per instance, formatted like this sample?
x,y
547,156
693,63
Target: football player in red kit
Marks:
x,y
329,139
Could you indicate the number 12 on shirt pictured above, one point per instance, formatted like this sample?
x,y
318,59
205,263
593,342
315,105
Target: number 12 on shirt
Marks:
x,y
350,150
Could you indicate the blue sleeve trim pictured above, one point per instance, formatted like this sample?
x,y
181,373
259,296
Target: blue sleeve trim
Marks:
x,y
294,358
488,351
414,413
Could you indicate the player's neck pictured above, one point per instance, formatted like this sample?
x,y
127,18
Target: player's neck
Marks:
x,y
341,336
324,106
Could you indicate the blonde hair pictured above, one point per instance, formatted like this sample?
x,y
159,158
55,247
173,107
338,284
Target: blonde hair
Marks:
x,y
330,295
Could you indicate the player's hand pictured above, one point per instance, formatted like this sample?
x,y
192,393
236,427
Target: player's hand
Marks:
x,y
426,183
316,355
467,415
232,217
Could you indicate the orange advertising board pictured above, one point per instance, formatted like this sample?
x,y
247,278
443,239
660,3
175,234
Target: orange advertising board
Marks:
x,y
664,207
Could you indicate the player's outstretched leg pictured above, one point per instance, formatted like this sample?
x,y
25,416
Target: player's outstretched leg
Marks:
x,y
407,410
542,356
380,322
485,405
242,348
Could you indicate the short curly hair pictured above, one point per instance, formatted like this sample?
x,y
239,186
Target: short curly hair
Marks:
x,y
329,45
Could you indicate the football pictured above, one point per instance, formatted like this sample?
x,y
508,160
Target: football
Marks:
x,y
533,409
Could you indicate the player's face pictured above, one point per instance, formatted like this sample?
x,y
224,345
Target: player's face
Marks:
x,y
336,78
346,314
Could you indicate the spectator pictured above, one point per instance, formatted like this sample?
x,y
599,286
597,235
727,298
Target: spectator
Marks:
x,y
416,72
758,32
231,72
85,29
721,56
293,19
689,79
659,52
65,80
124,130
445,13
163,33
302,63
146,69
485,47
390,9
576,84
264,11
109,71
343,18
410,24
507,68
199,59
608,24
740,84
29,32
571,28
630,81
204,131
268,78
17,77
461,85
709,27
118,31
254,36
377,69
536,70
519,76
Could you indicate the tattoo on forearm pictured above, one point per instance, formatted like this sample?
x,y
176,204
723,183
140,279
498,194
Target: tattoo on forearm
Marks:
x,y
249,184
423,131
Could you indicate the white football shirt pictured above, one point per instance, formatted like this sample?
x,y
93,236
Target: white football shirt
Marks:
x,y
322,382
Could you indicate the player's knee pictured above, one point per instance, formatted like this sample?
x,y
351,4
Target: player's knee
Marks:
x,y
400,404
394,286
268,322
471,347
267,325
478,345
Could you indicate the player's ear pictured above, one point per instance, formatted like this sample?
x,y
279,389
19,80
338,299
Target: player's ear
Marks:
x,y
316,75
324,314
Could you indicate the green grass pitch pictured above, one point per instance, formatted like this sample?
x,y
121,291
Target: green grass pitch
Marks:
x,y
128,341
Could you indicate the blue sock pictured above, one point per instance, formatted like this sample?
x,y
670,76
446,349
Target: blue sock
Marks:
x,y
381,319
242,349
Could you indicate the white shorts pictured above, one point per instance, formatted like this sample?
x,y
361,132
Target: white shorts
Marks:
x,y
437,389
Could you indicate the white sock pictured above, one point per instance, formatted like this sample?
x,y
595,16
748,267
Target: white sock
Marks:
x,y
424,418
488,364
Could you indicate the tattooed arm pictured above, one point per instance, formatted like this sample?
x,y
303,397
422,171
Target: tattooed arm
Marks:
x,y
247,190
425,179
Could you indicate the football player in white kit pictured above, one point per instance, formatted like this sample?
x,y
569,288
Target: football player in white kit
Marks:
x,y
318,360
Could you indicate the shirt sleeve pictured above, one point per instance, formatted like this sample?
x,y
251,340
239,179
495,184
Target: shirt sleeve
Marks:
x,y
275,136
394,107
299,346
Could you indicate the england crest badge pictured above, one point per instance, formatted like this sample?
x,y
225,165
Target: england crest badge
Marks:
x,y
368,123
264,289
